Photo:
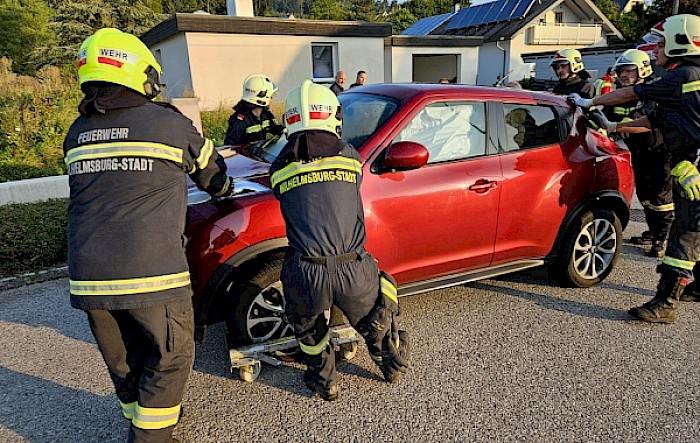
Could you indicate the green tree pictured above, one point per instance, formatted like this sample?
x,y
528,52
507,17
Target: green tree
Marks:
x,y
664,8
363,10
609,8
328,10
401,19
25,33
74,21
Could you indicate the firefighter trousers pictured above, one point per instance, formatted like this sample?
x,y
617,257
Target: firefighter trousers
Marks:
x,y
149,353
312,287
683,249
652,174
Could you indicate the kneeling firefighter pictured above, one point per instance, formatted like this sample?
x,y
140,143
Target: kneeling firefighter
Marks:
x,y
316,178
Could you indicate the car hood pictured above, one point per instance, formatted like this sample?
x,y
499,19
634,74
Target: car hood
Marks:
x,y
249,176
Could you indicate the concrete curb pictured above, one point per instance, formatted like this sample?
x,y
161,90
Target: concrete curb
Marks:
x,y
33,277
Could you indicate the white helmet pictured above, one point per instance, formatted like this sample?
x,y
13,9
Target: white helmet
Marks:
x,y
258,89
681,35
637,58
570,56
312,106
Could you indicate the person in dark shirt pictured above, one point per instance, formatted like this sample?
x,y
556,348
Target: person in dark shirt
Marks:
x,y
652,170
128,158
360,79
573,78
677,115
337,87
316,178
252,120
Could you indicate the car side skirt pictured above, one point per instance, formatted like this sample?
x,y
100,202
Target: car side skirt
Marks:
x,y
466,277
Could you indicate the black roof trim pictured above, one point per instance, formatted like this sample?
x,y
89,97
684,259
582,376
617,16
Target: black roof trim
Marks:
x,y
225,24
433,40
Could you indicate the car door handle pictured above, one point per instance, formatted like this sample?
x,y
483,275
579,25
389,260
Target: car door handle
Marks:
x,y
482,185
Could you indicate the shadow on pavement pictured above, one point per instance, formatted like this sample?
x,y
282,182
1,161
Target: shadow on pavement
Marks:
x,y
42,411
559,304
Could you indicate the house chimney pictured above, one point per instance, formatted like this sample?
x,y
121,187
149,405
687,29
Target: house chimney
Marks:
x,y
456,7
239,8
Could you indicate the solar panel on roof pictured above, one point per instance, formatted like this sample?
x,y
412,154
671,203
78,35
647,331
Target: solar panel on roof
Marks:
x,y
499,10
426,25
523,8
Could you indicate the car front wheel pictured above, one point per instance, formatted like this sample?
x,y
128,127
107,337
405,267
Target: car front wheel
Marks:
x,y
589,250
257,307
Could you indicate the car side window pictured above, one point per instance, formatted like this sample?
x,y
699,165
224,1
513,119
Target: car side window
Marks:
x,y
450,131
530,126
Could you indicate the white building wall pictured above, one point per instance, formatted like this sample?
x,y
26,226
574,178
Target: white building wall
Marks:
x,y
220,62
402,62
491,63
173,57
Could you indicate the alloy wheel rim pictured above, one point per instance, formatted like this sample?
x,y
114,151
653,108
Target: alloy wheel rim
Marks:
x,y
595,249
265,316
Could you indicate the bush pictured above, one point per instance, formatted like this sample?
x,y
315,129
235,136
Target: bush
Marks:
x,y
33,236
35,113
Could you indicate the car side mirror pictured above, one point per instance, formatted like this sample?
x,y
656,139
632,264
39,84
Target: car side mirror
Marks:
x,y
404,156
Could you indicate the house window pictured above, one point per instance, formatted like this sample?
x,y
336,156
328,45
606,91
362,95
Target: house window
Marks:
x,y
558,17
323,58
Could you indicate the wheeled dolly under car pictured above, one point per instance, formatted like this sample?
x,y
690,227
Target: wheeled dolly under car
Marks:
x,y
248,359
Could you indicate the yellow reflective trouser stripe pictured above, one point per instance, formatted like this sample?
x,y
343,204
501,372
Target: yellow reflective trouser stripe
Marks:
x,y
128,409
619,110
155,418
130,286
389,290
678,263
205,154
296,168
124,149
691,87
317,349
661,208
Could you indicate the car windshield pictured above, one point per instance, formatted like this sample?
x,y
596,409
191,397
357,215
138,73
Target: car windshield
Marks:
x,y
363,114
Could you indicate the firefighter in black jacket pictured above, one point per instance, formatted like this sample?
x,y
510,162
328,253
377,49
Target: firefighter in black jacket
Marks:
x,y
652,166
677,115
568,67
127,159
252,120
316,178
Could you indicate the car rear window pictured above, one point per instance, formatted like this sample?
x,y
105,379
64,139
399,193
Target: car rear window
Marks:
x,y
530,126
363,114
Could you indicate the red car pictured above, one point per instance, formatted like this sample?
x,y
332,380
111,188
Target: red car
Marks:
x,y
460,183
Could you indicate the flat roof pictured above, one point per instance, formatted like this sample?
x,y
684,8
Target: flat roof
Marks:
x,y
226,24
434,41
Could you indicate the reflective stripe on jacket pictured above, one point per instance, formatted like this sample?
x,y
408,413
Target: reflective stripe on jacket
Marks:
x,y
128,198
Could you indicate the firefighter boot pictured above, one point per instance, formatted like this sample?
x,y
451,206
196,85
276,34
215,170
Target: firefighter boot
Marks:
x,y
320,375
645,239
663,307
691,292
658,249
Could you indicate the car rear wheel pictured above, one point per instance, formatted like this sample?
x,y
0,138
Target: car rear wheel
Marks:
x,y
257,307
589,250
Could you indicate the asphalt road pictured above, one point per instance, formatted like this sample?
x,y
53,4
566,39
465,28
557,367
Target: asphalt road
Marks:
x,y
513,359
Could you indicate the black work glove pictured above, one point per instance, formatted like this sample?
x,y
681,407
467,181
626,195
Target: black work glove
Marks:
x,y
395,360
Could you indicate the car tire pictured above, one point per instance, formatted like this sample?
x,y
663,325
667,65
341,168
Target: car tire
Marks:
x,y
589,250
257,307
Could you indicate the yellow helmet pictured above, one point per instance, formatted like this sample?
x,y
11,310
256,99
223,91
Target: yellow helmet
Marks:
x,y
571,56
110,55
681,34
635,57
312,107
258,90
